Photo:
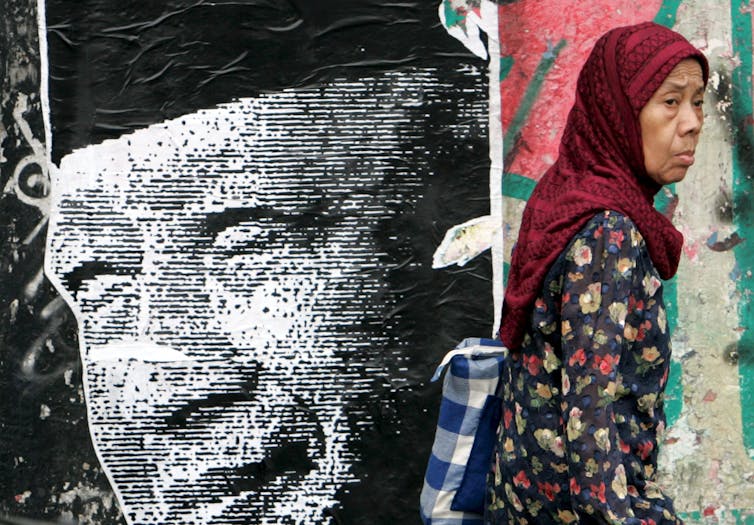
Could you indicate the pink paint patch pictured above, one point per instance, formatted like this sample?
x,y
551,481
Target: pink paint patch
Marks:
x,y
691,251
714,470
691,246
710,396
527,31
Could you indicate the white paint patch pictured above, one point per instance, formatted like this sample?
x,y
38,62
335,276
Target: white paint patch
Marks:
x,y
465,241
680,442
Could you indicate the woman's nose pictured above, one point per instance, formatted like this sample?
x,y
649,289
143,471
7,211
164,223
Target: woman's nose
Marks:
x,y
692,119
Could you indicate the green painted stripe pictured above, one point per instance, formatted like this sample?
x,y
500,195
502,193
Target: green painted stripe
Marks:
x,y
518,186
670,295
674,393
743,211
742,516
667,13
663,200
530,96
506,63
674,388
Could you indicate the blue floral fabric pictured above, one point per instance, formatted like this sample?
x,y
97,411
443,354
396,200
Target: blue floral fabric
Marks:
x,y
583,398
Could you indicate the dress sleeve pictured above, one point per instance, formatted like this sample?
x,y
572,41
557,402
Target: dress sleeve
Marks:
x,y
600,286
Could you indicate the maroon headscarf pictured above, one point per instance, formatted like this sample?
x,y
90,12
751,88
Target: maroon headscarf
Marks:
x,y
600,165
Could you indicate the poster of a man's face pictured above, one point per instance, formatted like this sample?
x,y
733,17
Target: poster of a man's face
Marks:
x,y
226,275
250,266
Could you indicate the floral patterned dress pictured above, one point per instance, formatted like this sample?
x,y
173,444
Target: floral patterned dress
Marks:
x,y
583,399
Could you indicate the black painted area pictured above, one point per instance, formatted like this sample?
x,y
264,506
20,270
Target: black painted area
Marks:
x,y
435,310
119,66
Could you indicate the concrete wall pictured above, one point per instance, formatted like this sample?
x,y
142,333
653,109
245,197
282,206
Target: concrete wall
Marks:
x,y
536,48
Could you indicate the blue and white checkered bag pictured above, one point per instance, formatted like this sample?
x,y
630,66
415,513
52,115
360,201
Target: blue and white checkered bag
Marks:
x,y
470,411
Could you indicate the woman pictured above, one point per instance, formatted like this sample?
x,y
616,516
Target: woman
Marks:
x,y
584,313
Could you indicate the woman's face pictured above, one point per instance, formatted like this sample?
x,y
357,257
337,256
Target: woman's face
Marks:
x,y
671,122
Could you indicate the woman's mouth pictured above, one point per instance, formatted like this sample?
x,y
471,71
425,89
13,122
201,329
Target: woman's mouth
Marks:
x,y
686,158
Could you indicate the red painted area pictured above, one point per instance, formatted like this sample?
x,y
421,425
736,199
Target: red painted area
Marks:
x,y
527,29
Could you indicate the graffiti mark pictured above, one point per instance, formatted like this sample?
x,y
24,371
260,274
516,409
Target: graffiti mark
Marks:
x,y
29,182
726,244
724,205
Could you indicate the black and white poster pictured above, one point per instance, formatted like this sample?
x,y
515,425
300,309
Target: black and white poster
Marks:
x,y
219,304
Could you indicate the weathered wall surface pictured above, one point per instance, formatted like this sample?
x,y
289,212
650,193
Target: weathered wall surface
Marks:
x,y
707,460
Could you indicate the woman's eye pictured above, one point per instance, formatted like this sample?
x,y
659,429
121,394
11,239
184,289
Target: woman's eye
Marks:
x,y
671,102
698,103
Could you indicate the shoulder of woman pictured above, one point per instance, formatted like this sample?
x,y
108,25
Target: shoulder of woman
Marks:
x,y
610,230
611,222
